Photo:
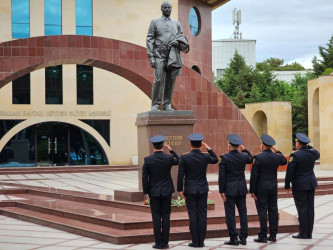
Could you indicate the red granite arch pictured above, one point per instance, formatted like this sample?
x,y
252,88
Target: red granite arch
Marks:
x,y
216,114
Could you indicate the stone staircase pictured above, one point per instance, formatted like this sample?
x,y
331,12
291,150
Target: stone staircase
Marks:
x,y
118,222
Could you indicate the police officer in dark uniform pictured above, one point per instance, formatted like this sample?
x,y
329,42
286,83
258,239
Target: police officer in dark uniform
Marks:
x,y
158,186
193,166
263,187
233,189
300,174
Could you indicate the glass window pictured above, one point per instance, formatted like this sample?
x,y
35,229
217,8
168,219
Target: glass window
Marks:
x,y
19,151
84,17
6,125
101,126
53,85
85,149
21,90
196,68
85,90
20,19
194,21
52,17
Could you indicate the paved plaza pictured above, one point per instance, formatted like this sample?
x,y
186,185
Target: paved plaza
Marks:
x,y
17,234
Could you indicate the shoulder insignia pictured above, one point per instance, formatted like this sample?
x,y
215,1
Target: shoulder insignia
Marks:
x,y
257,153
185,153
205,152
291,159
254,160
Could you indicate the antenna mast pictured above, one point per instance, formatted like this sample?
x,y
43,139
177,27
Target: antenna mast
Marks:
x,y
237,20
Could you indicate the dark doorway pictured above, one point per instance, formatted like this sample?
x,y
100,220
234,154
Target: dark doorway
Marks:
x,y
52,144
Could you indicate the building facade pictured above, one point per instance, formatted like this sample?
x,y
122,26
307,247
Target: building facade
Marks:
x,y
74,75
273,118
320,118
224,50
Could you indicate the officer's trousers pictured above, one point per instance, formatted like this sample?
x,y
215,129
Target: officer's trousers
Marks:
x,y
163,83
161,209
267,203
304,201
229,207
197,212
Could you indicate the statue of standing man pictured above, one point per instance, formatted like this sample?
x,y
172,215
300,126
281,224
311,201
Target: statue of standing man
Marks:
x,y
165,40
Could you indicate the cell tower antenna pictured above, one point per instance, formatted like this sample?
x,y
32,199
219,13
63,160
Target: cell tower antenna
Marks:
x,y
237,20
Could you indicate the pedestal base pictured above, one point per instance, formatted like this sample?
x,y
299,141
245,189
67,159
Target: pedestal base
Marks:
x,y
128,195
174,125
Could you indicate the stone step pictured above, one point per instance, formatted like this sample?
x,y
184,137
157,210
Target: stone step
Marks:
x,y
115,217
103,214
117,236
280,180
67,169
319,191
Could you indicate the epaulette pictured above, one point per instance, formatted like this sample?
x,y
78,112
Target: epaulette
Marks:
x,y
257,153
185,153
204,152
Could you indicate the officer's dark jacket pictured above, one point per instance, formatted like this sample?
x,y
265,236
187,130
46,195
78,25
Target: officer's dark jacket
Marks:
x,y
300,169
156,177
264,172
231,172
194,165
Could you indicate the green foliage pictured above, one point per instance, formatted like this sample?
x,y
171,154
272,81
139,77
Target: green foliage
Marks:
x,y
319,66
299,102
276,64
179,202
243,84
328,71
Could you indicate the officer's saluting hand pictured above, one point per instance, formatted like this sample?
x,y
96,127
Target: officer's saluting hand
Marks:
x,y
300,174
193,166
233,189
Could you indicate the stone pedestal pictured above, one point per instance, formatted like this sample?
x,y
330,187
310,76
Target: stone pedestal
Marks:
x,y
174,125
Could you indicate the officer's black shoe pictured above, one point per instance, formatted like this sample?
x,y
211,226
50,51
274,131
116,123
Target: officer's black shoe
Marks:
x,y
165,246
191,244
157,246
202,244
232,242
242,242
271,238
260,240
298,236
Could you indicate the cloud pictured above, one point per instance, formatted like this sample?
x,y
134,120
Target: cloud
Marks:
x,y
284,29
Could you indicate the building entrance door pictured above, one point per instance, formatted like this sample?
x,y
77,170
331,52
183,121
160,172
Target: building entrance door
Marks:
x,y
52,144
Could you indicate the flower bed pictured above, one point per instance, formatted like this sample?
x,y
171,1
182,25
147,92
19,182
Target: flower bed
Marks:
x,y
179,204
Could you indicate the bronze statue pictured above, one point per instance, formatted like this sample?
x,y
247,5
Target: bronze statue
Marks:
x,y
165,40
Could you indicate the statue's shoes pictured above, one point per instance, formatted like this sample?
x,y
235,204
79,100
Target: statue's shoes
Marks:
x,y
168,109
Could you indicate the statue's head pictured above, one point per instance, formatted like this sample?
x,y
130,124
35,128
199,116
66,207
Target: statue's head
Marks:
x,y
166,8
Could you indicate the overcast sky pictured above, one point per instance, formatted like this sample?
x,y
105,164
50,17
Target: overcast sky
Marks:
x,y
288,29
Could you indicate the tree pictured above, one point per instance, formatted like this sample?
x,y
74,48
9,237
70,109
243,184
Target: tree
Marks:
x,y
299,102
243,84
319,66
276,64
237,80
272,63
